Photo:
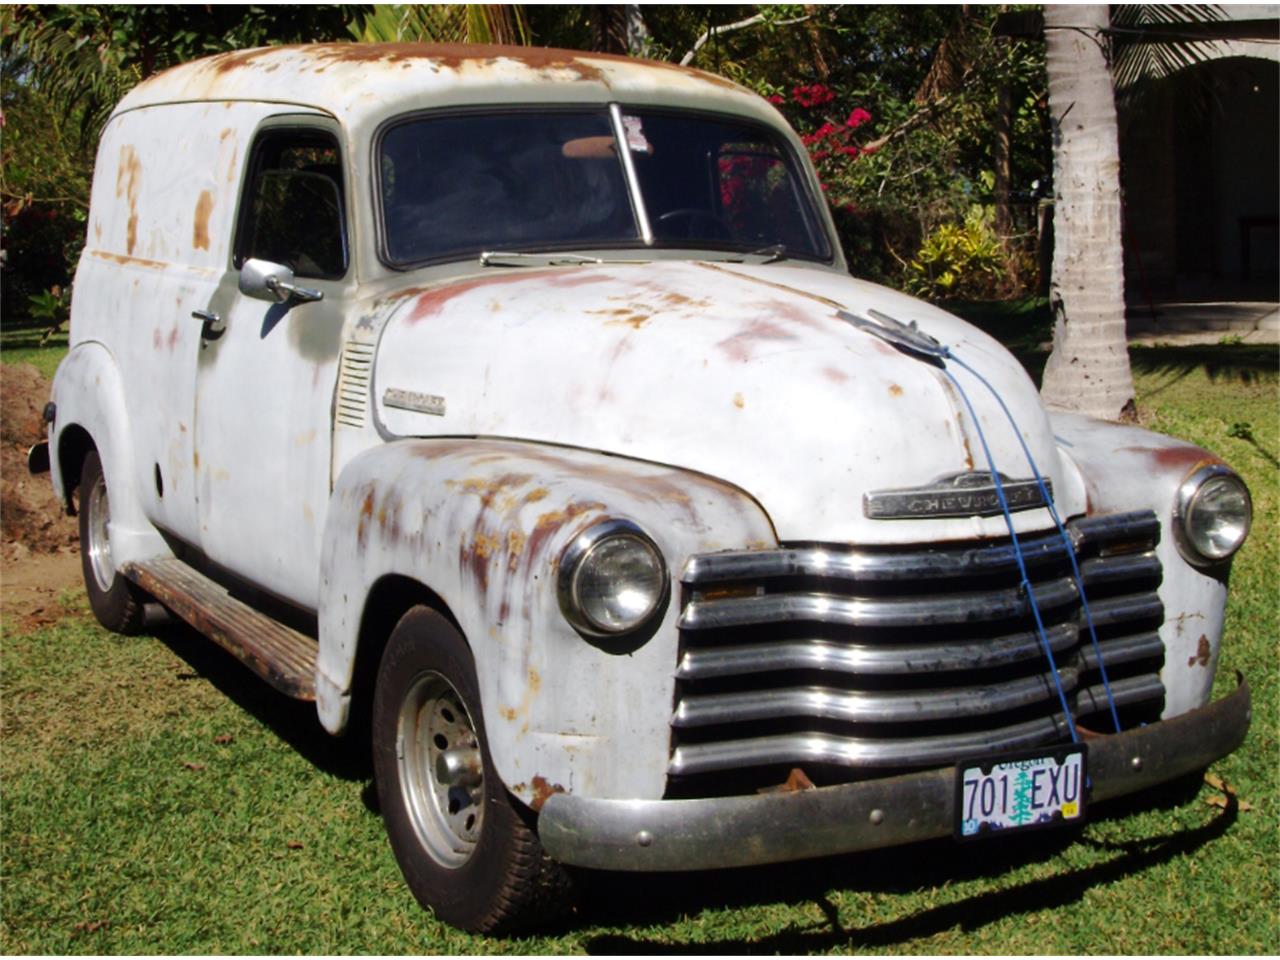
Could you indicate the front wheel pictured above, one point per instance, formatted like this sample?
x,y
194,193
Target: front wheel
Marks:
x,y
117,603
461,840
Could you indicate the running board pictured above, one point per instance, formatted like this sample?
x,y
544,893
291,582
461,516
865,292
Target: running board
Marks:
x,y
283,657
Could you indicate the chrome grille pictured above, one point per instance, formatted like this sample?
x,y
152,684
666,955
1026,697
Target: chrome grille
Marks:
x,y
848,660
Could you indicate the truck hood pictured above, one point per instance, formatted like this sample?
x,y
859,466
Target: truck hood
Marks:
x,y
750,374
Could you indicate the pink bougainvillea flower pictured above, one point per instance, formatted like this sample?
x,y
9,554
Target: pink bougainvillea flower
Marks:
x,y
777,99
849,151
826,130
857,118
813,95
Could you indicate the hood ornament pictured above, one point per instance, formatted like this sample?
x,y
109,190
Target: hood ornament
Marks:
x,y
971,494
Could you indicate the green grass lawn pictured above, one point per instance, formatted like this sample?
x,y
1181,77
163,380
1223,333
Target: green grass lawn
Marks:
x,y
20,343
158,798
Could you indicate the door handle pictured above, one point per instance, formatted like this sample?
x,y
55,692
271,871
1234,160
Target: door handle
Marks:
x,y
213,326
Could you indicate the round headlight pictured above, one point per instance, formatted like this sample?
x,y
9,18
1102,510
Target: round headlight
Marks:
x,y
612,579
1213,515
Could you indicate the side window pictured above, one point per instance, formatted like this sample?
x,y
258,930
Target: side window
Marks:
x,y
292,210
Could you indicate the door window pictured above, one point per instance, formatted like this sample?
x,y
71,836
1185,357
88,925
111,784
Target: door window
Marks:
x,y
292,211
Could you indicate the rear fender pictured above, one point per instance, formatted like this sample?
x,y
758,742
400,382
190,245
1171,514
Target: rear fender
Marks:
x,y
482,524
88,392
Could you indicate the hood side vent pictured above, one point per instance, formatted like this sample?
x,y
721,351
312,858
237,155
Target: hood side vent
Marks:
x,y
354,379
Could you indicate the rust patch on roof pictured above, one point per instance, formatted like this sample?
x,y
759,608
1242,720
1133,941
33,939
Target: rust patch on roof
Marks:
x,y
200,231
738,401
968,452
445,56
895,390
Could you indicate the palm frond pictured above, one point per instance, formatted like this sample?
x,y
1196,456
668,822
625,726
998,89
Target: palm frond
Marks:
x,y
81,74
1141,56
442,23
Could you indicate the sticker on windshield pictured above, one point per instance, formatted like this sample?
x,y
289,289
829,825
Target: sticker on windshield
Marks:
x,y
635,135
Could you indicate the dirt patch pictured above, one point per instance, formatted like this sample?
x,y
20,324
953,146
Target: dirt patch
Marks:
x,y
39,557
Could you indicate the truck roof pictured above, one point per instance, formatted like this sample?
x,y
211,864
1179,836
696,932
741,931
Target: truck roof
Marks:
x,y
357,82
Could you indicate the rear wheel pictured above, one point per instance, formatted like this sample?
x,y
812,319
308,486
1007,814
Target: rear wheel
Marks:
x,y
117,603
462,842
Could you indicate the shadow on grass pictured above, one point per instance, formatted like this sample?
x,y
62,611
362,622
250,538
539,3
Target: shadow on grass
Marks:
x,y
1240,363
293,721
900,870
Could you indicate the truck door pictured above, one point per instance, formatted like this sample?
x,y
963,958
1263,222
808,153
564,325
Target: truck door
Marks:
x,y
266,371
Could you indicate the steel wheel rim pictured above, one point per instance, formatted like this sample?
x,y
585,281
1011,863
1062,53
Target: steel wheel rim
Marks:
x,y
99,546
447,818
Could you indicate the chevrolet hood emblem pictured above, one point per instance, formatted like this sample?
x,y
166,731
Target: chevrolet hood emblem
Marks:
x,y
970,494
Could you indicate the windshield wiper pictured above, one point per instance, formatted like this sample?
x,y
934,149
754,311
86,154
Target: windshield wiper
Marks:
x,y
771,254
502,258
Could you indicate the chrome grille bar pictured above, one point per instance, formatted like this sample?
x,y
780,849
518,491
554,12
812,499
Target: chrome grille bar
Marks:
x,y
900,752
864,612
861,706
874,659
937,563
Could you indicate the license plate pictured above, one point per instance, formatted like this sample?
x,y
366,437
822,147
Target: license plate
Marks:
x,y
1027,791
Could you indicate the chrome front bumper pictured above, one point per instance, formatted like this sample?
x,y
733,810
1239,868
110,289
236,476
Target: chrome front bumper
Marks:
x,y
661,835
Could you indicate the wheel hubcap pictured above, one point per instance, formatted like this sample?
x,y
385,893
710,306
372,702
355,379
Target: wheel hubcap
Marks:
x,y
441,774
99,546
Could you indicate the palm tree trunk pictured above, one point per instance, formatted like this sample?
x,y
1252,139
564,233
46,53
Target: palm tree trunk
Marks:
x,y
1088,370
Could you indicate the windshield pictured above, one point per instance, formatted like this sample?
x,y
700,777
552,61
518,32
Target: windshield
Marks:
x,y
454,185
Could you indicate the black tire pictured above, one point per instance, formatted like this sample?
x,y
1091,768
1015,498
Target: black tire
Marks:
x,y
465,848
116,602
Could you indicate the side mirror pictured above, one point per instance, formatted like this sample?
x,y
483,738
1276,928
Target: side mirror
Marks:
x,y
264,280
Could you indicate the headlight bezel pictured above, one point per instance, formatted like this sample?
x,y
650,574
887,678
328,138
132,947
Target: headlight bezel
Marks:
x,y
1188,495
579,551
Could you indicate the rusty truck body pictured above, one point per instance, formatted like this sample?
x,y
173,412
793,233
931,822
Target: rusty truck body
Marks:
x,y
518,407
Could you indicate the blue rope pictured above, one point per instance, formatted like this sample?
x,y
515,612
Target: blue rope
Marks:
x,y
1017,551
914,342
1062,532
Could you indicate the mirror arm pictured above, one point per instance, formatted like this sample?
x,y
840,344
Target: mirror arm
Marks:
x,y
289,290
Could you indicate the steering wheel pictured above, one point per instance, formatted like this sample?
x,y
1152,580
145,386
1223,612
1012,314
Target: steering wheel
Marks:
x,y
694,214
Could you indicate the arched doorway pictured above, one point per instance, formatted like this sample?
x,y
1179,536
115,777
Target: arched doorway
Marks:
x,y
1200,166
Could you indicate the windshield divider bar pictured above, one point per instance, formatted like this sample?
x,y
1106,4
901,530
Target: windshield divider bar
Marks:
x,y
633,182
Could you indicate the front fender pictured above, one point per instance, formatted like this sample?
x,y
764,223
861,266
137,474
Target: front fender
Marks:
x,y
482,523
1127,468
88,392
